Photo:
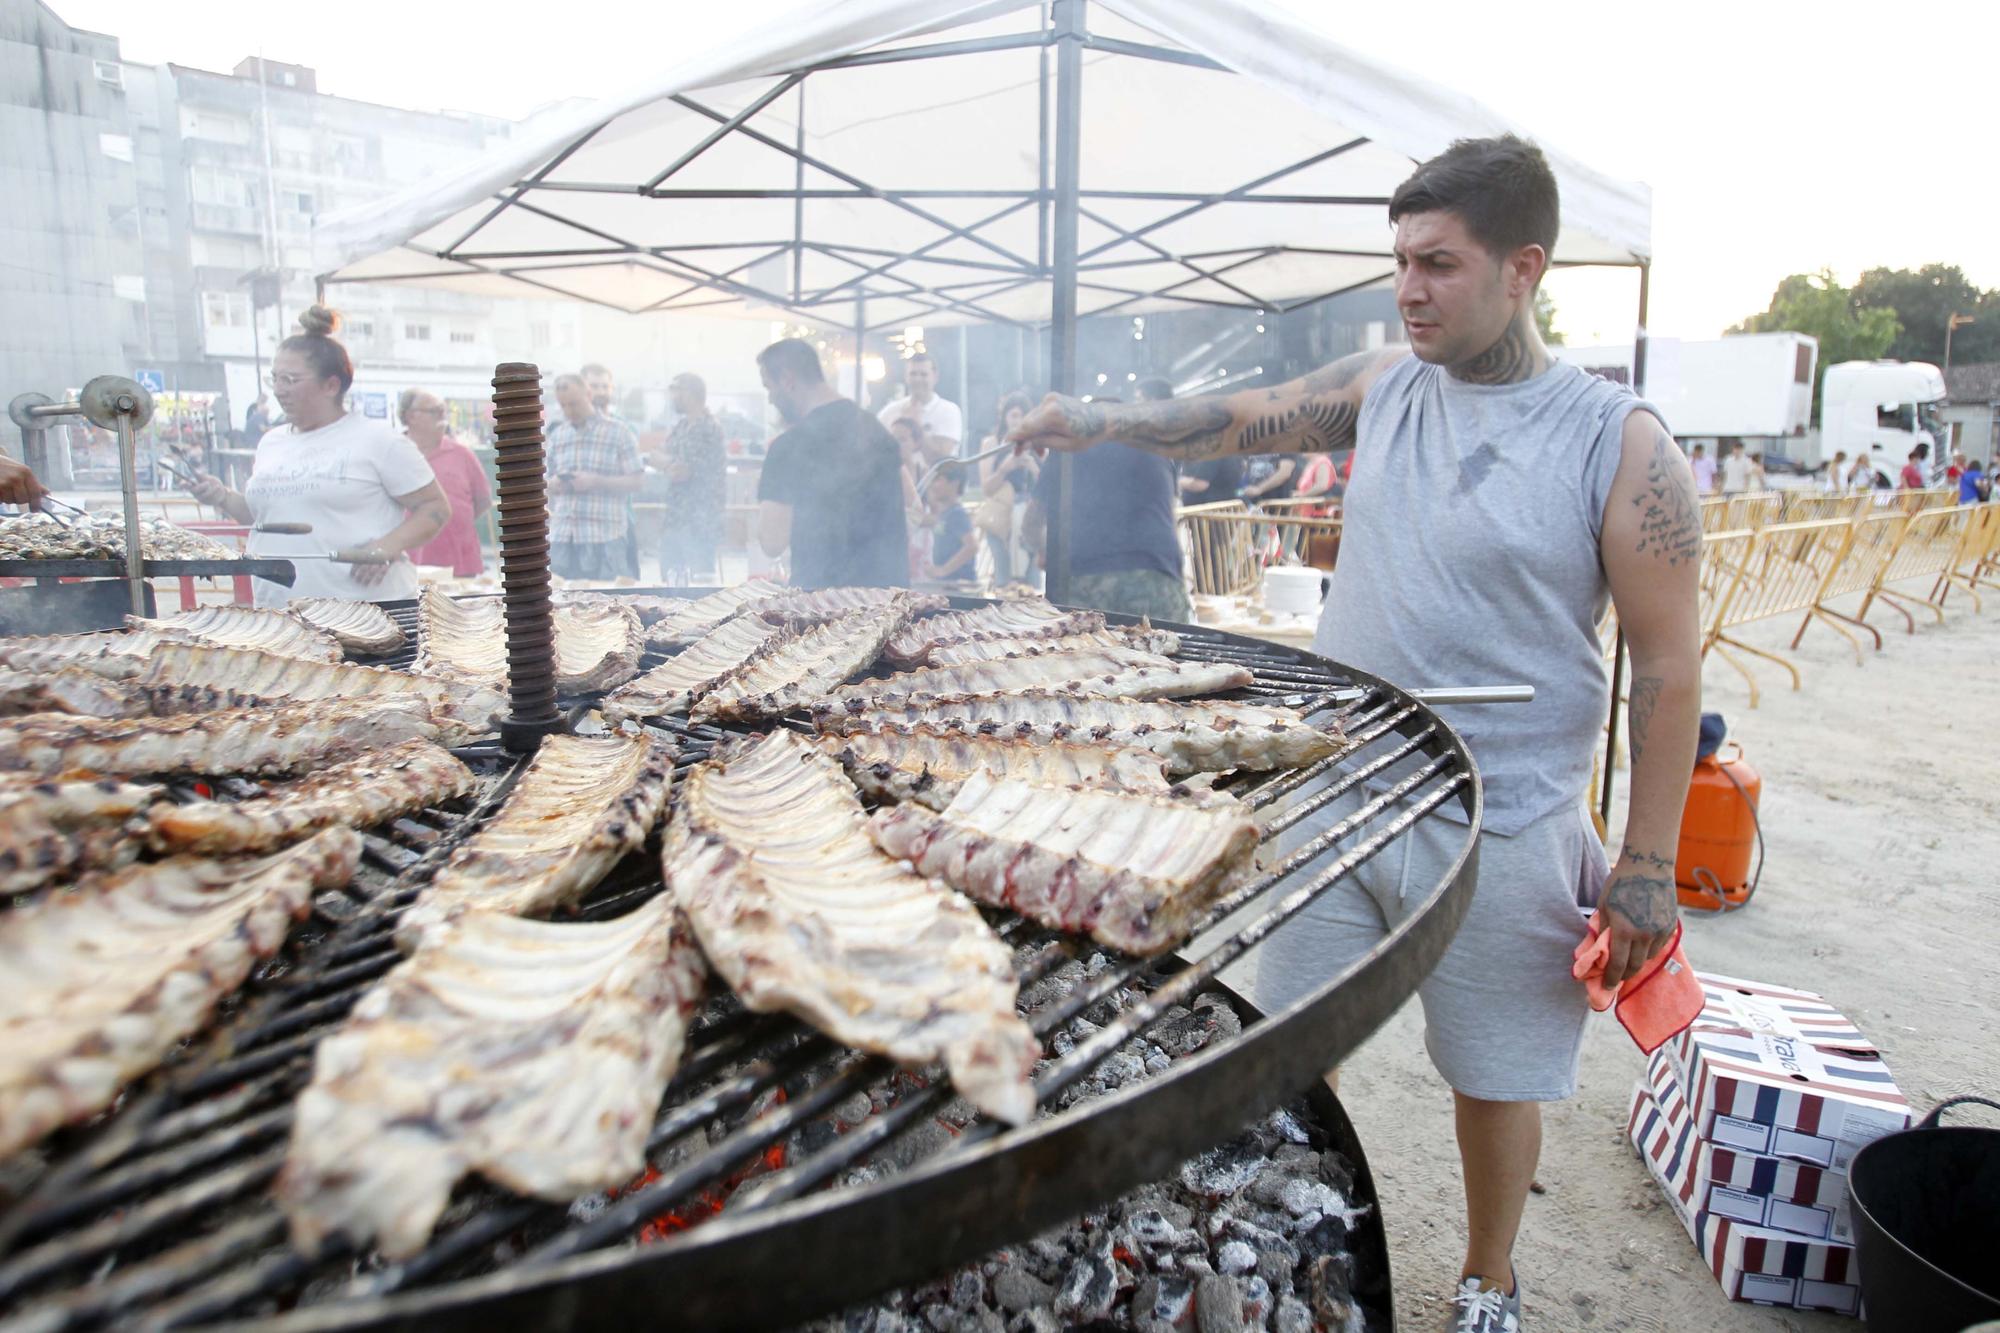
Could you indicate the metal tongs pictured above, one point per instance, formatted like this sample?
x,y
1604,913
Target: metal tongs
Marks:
x,y
276,529
1451,694
48,499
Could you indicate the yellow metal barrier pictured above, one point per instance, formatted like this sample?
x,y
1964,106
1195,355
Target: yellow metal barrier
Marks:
x,y
1782,571
1222,559
1927,547
1859,571
1805,506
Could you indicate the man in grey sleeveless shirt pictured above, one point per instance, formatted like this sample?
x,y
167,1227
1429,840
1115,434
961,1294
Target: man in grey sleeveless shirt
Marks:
x,y
1499,500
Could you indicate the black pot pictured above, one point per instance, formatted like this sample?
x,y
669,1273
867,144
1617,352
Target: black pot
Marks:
x,y
1926,1207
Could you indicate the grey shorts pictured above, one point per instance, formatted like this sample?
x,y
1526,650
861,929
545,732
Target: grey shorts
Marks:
x,y
1503,1018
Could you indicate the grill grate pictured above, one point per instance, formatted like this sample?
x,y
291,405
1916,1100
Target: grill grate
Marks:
x,y
160,1212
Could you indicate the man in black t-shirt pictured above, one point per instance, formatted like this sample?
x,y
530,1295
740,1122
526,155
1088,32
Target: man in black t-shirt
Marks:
x,y
832,486
1124,554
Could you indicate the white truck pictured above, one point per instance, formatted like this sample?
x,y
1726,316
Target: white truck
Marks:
x,y
1882,409
1753,387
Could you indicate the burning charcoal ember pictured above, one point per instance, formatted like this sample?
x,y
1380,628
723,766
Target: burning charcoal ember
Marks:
x,y
1016,1289
1292,1316
1218,1305
1219,1172
1089,1287
1257,1301
1330,1279
1310,1200
1235,1257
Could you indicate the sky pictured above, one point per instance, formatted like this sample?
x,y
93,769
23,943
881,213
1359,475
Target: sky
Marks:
x,y
1776,138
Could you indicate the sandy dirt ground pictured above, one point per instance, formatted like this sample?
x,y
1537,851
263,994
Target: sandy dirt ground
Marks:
x,y
1879,891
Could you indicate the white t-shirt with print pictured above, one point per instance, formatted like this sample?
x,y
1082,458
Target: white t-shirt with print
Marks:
x,y
940,417
343,479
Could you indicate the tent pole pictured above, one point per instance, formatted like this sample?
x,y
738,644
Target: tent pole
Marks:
x,y
860,345
1069,33
1618,648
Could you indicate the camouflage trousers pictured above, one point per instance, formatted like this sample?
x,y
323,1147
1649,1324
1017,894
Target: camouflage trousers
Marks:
x,y
1136,592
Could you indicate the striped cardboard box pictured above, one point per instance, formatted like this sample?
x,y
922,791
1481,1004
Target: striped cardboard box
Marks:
x,y
1777,1094
1750,1187
1731,1003
1752,1263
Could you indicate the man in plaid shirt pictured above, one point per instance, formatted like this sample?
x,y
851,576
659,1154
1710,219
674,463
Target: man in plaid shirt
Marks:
x,y
593,465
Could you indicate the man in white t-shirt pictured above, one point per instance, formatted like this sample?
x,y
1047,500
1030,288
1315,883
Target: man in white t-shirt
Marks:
x,y
1735,468
942,423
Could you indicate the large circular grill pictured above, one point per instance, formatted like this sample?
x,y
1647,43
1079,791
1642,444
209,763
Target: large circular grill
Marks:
x,y
159,1214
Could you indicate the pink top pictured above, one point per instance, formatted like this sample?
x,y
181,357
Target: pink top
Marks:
x,y
463,482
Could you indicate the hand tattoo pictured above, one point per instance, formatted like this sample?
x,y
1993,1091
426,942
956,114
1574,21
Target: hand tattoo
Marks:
x,y
1670,524
1647,901
1081,420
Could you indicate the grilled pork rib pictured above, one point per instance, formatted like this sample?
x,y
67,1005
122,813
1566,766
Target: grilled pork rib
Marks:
x,y
532,1053
1205,736
581,804
247,627
1021,618
799,912
362,792
598,645
104,980
673,686
114,654
799,669
927,764
51,830
820,605
1133,870
1113,673
193,678
362,628
286,738
68,690
988,647
695,617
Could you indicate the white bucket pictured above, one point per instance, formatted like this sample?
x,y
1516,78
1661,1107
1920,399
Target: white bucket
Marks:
x,y
1294,589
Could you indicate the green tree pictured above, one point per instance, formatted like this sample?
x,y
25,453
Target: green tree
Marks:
x,y
1545,317
1817,304
1923,299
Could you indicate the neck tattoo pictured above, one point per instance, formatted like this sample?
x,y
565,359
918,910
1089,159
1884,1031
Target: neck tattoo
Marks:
x,y
1518,356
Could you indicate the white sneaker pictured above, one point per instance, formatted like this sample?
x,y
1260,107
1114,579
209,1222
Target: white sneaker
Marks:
x,y
1484,1309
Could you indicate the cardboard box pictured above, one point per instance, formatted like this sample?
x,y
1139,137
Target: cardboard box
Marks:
x,y
1732,1004
1748,1187
1757,1080
1752,1263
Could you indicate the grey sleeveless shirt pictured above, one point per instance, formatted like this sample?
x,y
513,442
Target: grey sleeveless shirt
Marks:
x,y
1470,557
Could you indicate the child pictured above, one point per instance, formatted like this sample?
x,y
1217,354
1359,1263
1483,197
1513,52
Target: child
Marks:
x,y
955,542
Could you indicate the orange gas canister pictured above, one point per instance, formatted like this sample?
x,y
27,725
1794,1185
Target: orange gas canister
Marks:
x,y
1718,830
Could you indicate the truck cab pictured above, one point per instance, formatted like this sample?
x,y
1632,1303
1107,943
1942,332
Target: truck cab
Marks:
x,y
1882,410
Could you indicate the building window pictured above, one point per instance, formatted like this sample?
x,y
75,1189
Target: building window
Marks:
x,y
417,333
117,147
363,329
225,310
109,73
299,201
461,338
225,188
1802,365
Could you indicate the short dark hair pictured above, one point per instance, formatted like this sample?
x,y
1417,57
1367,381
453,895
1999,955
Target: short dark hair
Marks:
x,y
794,356
1153,389
1501,188
952,472
567,378
595,368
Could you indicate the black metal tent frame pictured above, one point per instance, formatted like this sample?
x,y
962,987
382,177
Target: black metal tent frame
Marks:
x,y
1061,205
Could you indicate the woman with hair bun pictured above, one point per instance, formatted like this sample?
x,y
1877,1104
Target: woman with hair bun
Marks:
x,y
356,481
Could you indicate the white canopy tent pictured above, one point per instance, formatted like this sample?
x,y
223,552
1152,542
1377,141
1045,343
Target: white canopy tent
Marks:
x,y
881,163
910,155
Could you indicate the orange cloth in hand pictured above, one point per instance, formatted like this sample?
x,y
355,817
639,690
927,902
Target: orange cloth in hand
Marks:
x,y
1656,1002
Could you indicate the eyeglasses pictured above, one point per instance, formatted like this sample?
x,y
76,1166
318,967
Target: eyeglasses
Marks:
x,y
285,379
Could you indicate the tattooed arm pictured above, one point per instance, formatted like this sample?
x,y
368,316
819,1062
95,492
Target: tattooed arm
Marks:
x,y
1651,547
1313,414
